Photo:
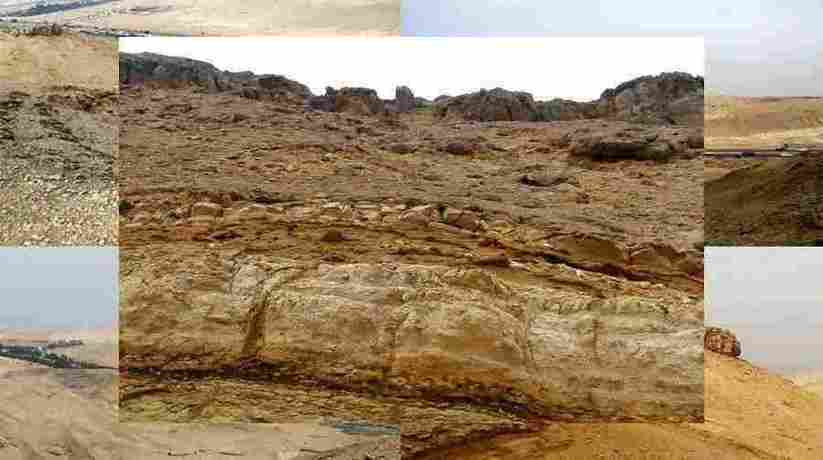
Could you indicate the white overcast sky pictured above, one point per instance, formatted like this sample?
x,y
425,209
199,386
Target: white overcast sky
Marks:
x,y
58,287
772,298
574,68
754,47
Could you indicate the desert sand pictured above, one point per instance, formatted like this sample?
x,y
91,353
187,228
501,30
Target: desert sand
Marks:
x,y
249,17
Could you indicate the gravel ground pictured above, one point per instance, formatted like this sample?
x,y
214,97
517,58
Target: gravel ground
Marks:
x,y
57,184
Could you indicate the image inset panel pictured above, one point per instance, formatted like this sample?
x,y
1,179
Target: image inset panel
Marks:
x,y
58,138
209,17
59,378
373,240
764,308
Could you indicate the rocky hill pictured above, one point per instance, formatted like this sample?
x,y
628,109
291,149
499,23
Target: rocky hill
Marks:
x,y
334,258
668,98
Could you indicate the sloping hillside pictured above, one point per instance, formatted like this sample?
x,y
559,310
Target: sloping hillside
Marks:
x,y
750,414
748,121
64,60
774,202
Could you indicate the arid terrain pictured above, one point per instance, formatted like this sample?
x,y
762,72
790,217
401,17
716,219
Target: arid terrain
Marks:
x,y
466,269
219,17
764,202
763,121
57,140
72,414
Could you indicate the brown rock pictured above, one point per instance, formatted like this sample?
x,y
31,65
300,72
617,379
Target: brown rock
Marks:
x,y
497,104
721,341
334,236
206,209
404,99
500,260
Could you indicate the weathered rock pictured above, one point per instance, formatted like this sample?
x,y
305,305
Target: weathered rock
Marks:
x,y
548,180
401,148
358,101
281,85
404,99
206,209
461,147
149,67
496,104
417,331
563,109
722,341
628,143
670,97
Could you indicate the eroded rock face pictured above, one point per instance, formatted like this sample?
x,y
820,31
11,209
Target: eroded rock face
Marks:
x,y
136,69
496,104
418,331
635,142
722,341
358,101
404,99
670,97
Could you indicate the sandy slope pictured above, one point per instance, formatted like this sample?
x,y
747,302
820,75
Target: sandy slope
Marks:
x,y
72,415
750,414
224,17
70,59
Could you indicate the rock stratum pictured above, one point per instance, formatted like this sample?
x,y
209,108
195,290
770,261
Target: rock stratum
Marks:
x,y
320,259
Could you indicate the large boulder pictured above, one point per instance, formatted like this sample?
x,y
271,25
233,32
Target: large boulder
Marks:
x,y
722,341
625,143
404,99
496,104
280,85
670,97
358,101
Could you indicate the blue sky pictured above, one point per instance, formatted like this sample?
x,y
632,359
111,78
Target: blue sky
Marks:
x,y
58,287
772,299
753,47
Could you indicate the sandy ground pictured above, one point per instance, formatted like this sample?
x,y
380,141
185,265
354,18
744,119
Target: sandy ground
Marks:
x,y
32,63
249,17
750,414
72,415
